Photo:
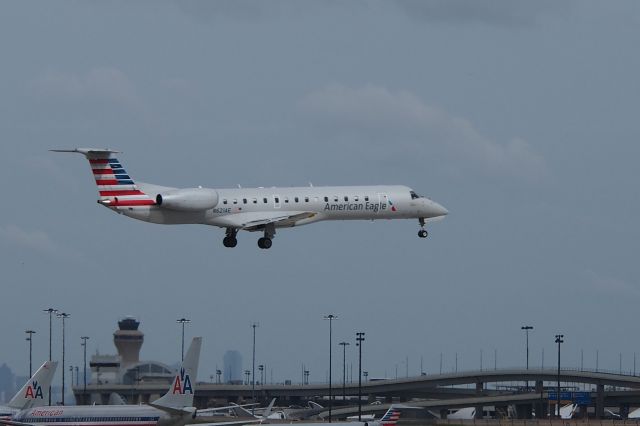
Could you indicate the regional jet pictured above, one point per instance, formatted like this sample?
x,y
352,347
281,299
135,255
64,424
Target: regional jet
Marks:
x,y
251,209
175,408
34,393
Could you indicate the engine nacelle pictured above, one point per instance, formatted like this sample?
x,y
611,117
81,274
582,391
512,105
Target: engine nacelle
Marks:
x,y
188,199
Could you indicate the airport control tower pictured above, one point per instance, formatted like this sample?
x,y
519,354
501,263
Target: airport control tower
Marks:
x,y
128,339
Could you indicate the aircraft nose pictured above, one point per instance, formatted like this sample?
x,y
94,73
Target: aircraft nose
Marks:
x,y
435,209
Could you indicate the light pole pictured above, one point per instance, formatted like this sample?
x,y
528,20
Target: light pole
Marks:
x,y
218,374
63,316
50,311
344,370
254,325
71,370
84,347
559,341
183,321
30,340
247,373
261,370
359,340
526,329
330,318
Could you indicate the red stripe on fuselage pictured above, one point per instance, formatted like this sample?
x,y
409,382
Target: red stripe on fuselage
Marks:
x,y
107,423
125,203
121,192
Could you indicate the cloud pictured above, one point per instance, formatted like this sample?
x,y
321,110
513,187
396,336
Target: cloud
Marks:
x,y
207,11
108,84
401,118
501,13
35,240
609,285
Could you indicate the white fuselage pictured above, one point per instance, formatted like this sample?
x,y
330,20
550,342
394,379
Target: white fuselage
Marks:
x,y
236,207
93,415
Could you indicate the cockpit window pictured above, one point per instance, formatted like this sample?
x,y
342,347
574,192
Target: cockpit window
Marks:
x,y
414,195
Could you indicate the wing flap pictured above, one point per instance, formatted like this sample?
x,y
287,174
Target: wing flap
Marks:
x,y
255,221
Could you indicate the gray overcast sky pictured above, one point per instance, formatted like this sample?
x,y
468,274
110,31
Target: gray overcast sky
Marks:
x,y
520,117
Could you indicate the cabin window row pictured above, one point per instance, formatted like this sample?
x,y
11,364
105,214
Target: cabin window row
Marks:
x,y
265,200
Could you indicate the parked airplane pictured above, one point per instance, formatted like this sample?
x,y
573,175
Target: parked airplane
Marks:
x,y
251,209
390,418
175,408
34,393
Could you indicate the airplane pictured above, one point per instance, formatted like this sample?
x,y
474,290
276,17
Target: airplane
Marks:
x,y
390,418
175,408
251,209
34,393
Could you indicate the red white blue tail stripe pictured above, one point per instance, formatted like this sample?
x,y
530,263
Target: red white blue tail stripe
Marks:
x,y
115,187
390,417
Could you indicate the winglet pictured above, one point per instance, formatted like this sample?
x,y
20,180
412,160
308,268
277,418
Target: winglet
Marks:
x,y
35,392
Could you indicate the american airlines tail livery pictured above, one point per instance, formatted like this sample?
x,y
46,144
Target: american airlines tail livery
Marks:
x,y
175,408
251,209
34,393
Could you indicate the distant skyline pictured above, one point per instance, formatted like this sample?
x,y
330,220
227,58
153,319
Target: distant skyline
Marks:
x,y
520,117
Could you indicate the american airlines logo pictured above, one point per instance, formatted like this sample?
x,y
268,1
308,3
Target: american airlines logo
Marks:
x,y
182,383
34,390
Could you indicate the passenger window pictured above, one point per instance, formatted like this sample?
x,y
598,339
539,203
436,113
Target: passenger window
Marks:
x,y
255,201
366,198
335,198
296,199
235,201
277,199
224,201
286,199
306,199
265,200
355,198
326,199
346,198
244,200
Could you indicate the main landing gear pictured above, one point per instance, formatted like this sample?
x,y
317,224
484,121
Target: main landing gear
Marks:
x,y
266,241
422,233
230,239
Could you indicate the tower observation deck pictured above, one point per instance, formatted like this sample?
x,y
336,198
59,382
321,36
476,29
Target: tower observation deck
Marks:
x,y
128,340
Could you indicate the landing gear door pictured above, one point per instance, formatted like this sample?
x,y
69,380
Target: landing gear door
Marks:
x,y
276,201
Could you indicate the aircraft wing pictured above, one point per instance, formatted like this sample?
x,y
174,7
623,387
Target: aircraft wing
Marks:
x,y
254,221
225,422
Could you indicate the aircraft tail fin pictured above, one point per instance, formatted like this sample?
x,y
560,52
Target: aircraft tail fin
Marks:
x,y
115,187
180,393
390,417
35,393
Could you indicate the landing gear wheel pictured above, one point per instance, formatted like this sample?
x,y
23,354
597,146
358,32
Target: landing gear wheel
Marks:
x,y
423,233
265,243
230,241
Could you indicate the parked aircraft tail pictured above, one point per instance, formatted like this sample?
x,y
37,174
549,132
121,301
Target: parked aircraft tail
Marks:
x,y
180,393
115,187
391,417
35,393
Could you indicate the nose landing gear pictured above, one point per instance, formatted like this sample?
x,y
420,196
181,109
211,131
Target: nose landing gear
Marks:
x,y
422,233
230,239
